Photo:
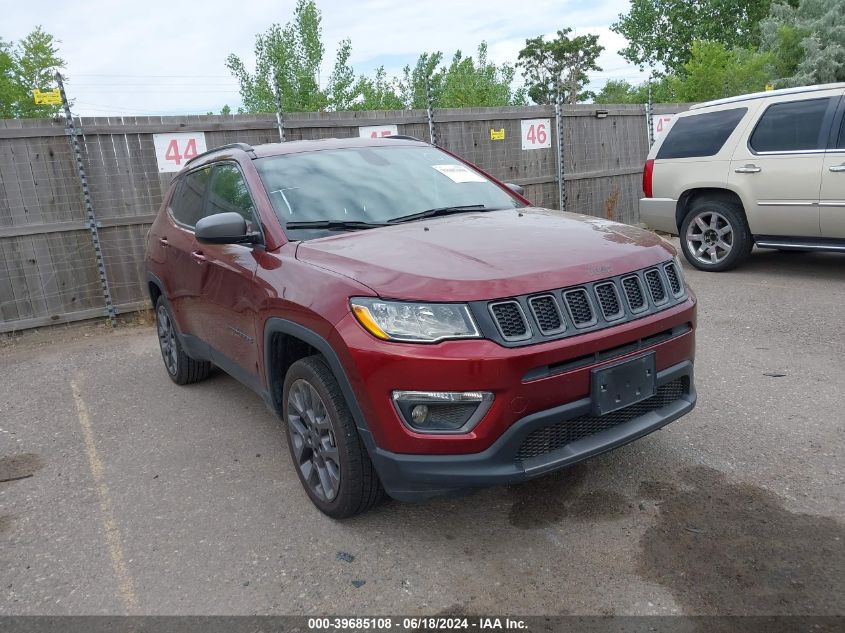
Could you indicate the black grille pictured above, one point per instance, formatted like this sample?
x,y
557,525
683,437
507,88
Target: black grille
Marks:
x,y
579,307
674,280
555,436
609,301
547,314
634,293
655,285
510,320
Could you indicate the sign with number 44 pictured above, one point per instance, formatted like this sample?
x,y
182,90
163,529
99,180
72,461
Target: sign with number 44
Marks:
x,y
176,149
536,133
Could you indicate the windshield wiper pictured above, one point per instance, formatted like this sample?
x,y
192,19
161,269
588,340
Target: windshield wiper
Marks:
x,y
431,213
335,225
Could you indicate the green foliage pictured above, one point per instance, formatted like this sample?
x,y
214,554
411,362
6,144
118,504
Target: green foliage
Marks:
x,y
412,85
468,83
663,90
30,64
714,72
290,56
659,32
561,65
807,41
378,92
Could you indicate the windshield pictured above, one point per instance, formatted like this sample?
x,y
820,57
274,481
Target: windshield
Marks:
x,y
373,185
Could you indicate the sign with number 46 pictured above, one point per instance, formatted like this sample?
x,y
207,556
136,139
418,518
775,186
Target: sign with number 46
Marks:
x,y
536,133
176,149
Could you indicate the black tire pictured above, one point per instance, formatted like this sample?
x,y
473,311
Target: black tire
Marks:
x,y
325,436
717,216
181,368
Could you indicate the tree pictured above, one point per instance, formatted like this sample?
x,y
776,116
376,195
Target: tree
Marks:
x,y
342,83
412,85
559,65
290,56
714,72
660,32
378,93
807,41
482,84
30,64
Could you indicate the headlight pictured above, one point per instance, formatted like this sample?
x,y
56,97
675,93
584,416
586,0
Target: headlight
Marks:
x,y
414,322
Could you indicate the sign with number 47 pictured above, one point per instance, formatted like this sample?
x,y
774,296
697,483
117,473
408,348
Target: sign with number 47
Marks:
x,y
176,149
536,133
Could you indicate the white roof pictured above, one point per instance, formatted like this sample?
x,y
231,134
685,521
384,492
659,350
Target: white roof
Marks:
x,y
769,93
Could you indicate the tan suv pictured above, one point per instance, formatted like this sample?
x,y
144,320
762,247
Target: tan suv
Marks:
x,y
765,169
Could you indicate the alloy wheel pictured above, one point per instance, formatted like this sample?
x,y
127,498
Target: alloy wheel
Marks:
x,y
710,237
167,340
313,440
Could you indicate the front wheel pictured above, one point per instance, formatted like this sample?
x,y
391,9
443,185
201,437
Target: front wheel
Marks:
x,y
181,368
330,459
715,236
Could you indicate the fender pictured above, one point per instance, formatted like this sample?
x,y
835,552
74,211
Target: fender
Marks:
x,y
195,347
276,325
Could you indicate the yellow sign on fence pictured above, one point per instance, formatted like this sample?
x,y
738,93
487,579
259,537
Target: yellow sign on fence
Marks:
x,y
497,135
49,97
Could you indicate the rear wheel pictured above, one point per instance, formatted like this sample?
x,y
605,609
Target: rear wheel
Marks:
x,y
181,368
330,459
715,236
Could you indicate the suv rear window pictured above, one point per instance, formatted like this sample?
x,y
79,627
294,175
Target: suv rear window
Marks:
x,y
791,126
700,134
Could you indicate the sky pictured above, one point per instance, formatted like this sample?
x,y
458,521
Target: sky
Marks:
x,y
161,57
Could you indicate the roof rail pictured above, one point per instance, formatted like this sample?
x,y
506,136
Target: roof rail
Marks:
x,y
405,137
241,146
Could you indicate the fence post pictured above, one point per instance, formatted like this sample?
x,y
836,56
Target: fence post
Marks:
x,y
429,111
561,171
649,115
280,117
73,134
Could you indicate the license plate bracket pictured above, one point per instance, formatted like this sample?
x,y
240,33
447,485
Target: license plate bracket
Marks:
x,y
623,384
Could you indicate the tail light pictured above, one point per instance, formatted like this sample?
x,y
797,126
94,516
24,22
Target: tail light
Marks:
x,y
648,173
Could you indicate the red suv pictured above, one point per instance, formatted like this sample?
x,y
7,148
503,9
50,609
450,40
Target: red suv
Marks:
x,y
418,326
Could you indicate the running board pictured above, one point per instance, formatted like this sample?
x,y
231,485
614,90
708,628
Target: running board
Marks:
x,y
800,243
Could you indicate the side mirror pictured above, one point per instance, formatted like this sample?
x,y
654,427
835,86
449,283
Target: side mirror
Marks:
x,y
515,188
224,228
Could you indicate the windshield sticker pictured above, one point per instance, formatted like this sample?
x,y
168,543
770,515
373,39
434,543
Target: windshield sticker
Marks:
x,y
459,173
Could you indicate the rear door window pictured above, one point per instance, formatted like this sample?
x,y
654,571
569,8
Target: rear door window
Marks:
x,y
700,134
792,126
187,203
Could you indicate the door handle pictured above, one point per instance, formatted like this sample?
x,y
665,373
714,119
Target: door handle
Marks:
x,y
837,167
748,169
163,241
198,257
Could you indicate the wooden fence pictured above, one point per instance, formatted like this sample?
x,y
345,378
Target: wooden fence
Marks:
x,y
48,270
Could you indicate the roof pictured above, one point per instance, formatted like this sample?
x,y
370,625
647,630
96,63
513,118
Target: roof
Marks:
x,y
297,147
769,93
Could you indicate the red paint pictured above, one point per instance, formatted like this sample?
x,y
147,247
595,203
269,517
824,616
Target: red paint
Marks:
x,y
648,178
474,256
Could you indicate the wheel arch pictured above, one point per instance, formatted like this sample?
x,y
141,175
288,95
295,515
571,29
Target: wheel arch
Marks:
x,y
690,196
285,342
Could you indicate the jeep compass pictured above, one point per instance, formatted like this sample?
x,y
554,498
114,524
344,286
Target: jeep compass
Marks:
x,y
417,325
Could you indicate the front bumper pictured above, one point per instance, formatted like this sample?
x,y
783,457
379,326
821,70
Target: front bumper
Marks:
x,y
417,477
659,214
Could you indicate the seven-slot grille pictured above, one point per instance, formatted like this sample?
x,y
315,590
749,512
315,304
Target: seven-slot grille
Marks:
x,y
532,318
510,320
580,309
674,280
547,314
609,302
634,293
655,286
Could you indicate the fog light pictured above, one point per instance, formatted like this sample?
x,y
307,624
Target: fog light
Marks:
x,y
442,411
418,414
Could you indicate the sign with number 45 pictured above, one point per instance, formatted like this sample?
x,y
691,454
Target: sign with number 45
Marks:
x,y
536,133
176,149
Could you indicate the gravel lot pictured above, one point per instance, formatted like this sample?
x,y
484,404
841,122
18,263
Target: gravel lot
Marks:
x,y
123,493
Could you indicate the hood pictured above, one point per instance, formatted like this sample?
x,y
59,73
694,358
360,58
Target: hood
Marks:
x,y
477,256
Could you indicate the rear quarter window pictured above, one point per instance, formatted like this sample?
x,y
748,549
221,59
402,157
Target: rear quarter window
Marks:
x,y
700,134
